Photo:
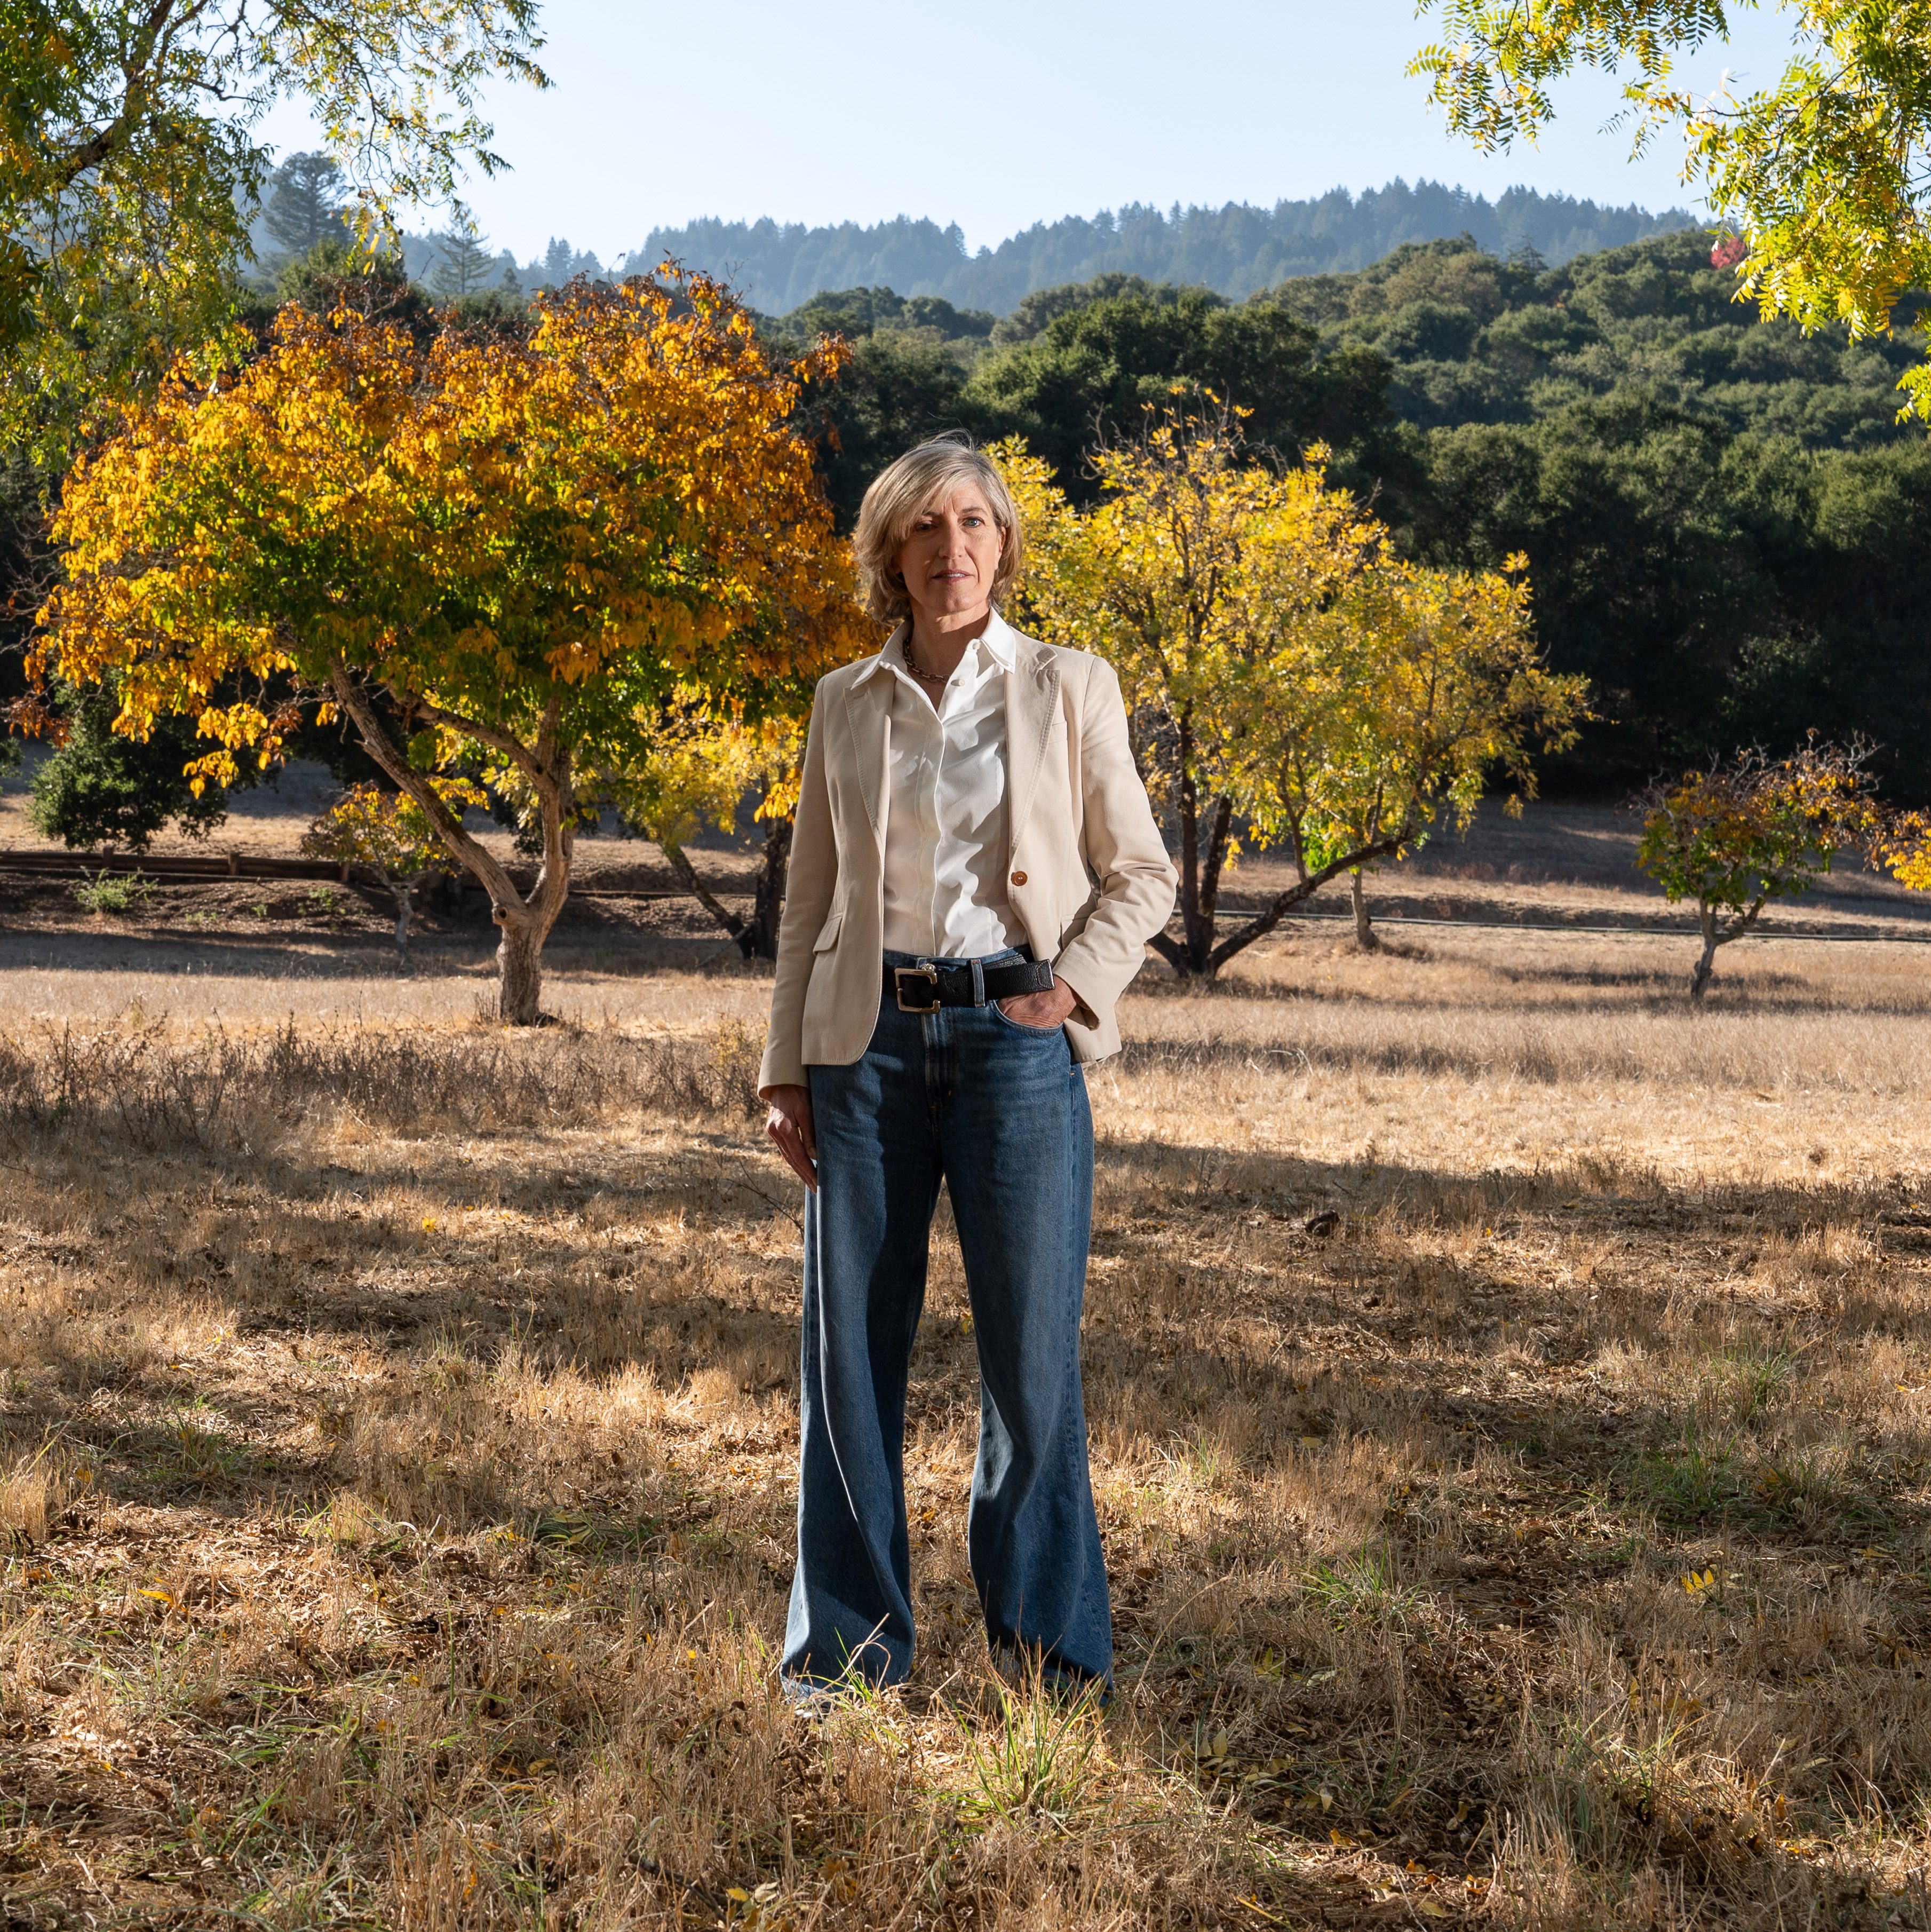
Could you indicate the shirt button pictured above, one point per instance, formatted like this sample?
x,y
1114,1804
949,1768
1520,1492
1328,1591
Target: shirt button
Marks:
x,y
1018,878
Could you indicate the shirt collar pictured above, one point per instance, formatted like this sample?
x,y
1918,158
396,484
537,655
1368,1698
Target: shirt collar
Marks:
x,y
998,641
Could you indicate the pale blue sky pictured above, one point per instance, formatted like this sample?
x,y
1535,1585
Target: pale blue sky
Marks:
x,y
997,114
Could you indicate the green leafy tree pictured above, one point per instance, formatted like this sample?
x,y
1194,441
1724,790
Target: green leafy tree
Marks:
x,y
1091,372
1737,835
1821,170
131,160
98,787
306,198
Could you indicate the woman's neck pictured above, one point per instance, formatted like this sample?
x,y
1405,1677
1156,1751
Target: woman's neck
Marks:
x,y
938,643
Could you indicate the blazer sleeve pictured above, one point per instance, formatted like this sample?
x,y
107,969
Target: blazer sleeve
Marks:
x,y
1124,848
809,887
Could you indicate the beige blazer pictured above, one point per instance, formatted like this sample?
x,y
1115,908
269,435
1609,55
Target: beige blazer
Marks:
x,y
1090,878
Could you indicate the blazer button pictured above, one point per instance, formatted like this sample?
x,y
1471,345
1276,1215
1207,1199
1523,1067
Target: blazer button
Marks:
x,y
1018,878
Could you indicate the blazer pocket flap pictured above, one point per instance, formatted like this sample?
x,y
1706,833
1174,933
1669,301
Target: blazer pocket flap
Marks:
x,y
827,934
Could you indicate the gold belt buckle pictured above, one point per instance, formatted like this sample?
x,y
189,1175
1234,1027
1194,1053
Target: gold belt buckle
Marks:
x,y
900,974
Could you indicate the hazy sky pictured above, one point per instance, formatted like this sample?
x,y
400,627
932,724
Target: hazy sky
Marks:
x,y
996,115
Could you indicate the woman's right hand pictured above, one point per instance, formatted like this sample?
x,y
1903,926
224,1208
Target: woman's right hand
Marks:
x,y
789,1123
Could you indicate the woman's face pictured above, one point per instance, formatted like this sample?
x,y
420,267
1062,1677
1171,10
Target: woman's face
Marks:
x,y
950,559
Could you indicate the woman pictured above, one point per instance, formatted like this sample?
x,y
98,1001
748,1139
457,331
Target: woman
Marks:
x,y
972,823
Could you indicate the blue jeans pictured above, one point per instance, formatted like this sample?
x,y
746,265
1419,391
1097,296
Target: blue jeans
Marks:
x,y
999,1111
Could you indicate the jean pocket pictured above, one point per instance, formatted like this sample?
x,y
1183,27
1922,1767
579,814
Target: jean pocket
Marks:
x,y
1020,1026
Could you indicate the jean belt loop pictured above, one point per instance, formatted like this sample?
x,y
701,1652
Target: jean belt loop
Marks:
x,y
978,984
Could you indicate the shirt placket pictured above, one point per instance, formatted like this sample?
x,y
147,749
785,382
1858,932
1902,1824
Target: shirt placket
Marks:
x,y
935,758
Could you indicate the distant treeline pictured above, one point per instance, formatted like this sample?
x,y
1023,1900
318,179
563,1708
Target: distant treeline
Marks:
x,y
1234,250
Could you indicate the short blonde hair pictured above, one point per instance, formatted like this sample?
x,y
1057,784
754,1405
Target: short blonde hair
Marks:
x,y
902,492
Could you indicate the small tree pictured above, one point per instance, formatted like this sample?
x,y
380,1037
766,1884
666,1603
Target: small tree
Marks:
x,y
519,542
698,769
1283,672
99,788
466,266
307,197
389,833
1737,835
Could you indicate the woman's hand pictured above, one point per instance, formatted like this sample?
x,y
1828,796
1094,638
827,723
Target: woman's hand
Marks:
x,y
1042,1010
789,1123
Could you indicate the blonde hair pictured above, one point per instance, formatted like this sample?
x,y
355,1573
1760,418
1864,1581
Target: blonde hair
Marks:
x,y
902,492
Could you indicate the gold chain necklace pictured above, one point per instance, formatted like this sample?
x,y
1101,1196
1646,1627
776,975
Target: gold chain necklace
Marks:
x,y
923,677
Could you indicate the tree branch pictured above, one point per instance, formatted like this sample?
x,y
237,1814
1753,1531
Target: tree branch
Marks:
x,y
136,73
1169,950
679,862
1264,922
465,850
511,747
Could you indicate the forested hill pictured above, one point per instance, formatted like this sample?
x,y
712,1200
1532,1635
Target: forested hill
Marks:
x,y
1234,250
1723,517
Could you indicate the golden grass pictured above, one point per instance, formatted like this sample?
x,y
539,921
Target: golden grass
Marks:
x,y
1509,1401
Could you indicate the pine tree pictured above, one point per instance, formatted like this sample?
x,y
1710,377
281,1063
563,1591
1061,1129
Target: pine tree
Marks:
x,y
466,265
305,203
557,259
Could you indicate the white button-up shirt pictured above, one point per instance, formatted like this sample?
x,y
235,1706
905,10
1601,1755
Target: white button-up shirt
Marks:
x,y
945,838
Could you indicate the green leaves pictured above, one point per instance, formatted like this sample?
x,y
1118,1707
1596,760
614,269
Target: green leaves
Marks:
x,y
1821,172
130,162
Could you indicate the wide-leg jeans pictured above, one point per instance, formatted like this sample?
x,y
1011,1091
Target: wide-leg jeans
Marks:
x,y
998,1112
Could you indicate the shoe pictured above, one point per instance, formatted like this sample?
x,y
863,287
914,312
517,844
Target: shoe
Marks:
x,y
1027,1673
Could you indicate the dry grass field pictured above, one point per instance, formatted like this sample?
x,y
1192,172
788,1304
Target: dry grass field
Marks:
x,y
1511,1405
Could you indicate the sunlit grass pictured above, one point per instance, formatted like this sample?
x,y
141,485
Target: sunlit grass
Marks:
x,y
1512,1460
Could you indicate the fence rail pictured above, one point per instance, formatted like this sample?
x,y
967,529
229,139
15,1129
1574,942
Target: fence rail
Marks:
x,y
183,867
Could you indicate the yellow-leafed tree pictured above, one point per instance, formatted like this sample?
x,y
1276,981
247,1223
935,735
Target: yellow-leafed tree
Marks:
x,y
1289,681
388,833
525,543
697,764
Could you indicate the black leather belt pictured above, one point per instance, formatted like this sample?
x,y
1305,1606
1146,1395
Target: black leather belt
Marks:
x,y
926,988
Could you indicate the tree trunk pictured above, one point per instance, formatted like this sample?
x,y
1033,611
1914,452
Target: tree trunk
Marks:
x,y
520,970
526,921
1705,967
403,892
759,939
679,860
1364,926
1715,934
1203,857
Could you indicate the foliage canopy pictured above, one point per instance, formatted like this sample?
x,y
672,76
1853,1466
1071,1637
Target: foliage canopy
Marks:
x,y
130,159
1282,670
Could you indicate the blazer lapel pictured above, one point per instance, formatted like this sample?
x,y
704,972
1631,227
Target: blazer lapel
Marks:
x,y
868,718
1032,697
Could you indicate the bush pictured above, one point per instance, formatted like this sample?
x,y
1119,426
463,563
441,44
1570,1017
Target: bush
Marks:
x,y
100,789
112,891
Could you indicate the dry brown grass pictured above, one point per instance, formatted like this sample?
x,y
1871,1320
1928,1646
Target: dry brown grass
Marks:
x,y
1508,1399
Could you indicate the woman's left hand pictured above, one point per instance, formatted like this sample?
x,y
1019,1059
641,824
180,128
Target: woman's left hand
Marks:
x,y
1042,1010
